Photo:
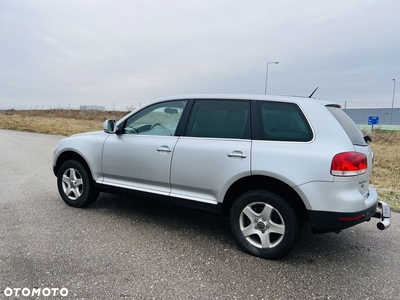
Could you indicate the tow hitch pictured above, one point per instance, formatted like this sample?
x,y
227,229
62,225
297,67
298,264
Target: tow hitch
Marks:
x,y
382,212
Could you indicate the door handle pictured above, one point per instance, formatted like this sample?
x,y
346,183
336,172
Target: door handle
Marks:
x,y
237,154
164,149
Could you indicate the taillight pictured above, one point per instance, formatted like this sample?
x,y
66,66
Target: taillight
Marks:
x,y
349,164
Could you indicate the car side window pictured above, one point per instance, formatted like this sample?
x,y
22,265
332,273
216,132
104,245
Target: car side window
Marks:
x,y
283,122
219,119
158,119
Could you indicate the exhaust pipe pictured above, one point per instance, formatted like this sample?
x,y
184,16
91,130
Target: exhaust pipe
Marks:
x,y
383,213
384,224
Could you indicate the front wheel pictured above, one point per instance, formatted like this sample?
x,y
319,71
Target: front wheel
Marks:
x,y
75,184
264,224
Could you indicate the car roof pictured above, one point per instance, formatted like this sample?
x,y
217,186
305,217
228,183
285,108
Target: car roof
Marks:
x,y
295,99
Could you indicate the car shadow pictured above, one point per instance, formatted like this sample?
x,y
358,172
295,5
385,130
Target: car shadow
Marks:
x,y
181,220
165,214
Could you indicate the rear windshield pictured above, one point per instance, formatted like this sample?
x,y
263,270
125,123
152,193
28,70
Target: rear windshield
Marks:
x,y
348,125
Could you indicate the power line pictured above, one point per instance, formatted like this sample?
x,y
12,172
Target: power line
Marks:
x,y
64,93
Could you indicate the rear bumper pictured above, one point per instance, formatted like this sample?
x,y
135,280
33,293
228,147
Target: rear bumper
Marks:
x,y
323,221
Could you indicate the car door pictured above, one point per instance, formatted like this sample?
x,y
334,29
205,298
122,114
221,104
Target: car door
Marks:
x,y
140,156
214,152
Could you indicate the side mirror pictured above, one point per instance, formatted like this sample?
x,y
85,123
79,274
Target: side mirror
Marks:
x,y
110,126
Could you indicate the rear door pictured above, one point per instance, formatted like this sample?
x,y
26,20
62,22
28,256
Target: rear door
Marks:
x,y
214,152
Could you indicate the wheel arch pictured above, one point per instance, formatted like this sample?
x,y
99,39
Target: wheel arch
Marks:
x,y
265,183
71,155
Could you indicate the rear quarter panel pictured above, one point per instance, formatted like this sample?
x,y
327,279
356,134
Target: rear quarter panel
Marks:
x,y
299,163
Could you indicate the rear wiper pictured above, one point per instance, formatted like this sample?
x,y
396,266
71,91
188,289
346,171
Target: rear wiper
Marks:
x,y
367,139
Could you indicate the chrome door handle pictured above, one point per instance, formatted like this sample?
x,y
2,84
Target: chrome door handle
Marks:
x,y
237,154
164,149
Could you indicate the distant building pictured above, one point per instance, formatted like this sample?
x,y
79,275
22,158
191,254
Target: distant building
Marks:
x,y
92,107
386,115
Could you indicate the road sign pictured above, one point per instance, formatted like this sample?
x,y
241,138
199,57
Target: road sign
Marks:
x,y
373,120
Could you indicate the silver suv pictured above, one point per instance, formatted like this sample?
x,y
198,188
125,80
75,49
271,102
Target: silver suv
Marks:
x,y
269,163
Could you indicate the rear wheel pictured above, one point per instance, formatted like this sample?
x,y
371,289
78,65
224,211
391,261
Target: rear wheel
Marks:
x,y
75,184
264,224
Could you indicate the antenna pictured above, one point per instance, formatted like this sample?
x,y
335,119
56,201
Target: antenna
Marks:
x,y
313,92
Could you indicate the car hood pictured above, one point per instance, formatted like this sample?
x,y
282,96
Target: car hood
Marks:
x,y
91,133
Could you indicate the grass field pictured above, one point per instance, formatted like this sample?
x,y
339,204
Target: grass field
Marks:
x,y
62,122
386,145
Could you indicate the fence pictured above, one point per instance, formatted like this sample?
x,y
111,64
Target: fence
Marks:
x,y
359,112
386,116
50,107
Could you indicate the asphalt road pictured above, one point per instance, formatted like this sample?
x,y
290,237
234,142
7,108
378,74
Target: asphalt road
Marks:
x,y
122,248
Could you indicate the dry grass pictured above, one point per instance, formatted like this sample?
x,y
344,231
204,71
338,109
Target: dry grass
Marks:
x,y
62,122
386,172
386,146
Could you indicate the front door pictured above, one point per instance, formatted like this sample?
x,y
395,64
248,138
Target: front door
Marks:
x,y
140,157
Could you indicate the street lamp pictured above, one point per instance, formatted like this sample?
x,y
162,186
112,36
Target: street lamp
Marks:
x,y
394,91
266,75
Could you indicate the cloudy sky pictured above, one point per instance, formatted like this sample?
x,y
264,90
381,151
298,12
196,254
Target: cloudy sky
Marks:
x,y
67,53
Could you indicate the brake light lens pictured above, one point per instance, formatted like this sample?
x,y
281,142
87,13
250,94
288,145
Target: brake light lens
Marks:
x,y
349,164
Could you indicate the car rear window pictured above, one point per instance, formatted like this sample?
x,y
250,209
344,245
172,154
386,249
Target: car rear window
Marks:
x,y
353,132
283,122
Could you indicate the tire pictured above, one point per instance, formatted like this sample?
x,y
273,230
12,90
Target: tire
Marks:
x,y
264,224
75,184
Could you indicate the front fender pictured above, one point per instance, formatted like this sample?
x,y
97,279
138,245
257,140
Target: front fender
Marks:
x,y
87,146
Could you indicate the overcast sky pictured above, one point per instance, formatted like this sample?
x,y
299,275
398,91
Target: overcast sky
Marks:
x,y
68,53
